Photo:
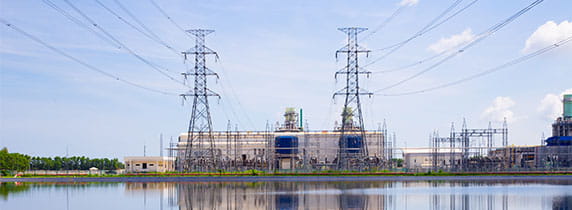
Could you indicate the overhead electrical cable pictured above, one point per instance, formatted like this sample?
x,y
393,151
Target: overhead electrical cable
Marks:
x,y
408,66
81,23
250,122
169,18
133,17
159,41
154,66
88,66
480,37
384,23
489,71
449,17
230,107
428,27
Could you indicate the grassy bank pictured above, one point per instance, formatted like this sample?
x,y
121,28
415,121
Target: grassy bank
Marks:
x,y
317,173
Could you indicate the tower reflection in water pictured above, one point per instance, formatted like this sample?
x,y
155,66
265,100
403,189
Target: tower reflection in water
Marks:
x,y
361,195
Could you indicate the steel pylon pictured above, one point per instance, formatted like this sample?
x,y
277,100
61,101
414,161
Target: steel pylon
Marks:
x,y
200,153
351,128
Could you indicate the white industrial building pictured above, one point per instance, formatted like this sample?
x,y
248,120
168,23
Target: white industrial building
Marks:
x,y
422,158
319,147
139,164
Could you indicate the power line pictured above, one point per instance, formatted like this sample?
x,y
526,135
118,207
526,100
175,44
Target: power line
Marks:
x,y
474,41
422,31
154,66
159,41
169,17
250,122
80,23
90,67
428,27
136,19
384,23
489,71
407,66
450,16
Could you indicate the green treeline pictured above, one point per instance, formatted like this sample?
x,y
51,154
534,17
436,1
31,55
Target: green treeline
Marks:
x,y
74,163
14,162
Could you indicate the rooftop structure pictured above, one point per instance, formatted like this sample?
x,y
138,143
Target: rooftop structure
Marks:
x,y
562,127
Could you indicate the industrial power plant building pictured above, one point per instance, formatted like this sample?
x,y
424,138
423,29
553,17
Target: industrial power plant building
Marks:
x,y
287,147
252,149
555,154
290,147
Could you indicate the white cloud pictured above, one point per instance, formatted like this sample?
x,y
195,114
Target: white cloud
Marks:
x,y
408,2
548,34
551,105
499,110
453,41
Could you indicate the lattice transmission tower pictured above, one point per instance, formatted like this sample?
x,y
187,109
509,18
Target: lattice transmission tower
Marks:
x,y
200,153
352,142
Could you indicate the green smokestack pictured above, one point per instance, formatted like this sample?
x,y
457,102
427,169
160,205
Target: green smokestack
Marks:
x,y
567,105
301,119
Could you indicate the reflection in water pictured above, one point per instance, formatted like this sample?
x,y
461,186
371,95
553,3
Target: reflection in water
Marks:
x,y
562,202
12,188
501,195
373,195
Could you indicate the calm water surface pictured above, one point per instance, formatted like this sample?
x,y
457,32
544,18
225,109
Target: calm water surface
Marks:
x,y
290,195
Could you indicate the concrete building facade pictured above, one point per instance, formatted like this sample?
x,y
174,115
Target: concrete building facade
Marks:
x,y
137,164
421,159
319,148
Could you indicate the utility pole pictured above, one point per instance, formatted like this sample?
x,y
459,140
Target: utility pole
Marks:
x,y
352,131
228,145
384,141
161,145
171,146
200,151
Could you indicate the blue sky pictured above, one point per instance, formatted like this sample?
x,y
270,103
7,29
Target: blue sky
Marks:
x,y
273,55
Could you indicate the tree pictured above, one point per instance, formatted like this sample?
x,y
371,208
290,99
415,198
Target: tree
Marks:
x,y
10,162
4,159
13,162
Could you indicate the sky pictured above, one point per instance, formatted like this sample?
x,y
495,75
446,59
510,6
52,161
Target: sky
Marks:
x,y
272,55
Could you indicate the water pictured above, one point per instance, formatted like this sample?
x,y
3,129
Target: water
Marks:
x,y
290,195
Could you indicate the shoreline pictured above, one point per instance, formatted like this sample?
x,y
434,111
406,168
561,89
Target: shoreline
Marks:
x,y
289,178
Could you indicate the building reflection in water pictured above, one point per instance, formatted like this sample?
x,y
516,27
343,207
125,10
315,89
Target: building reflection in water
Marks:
x,y
166,191
351,195
562,202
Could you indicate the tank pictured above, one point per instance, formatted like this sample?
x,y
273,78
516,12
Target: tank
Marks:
x,y
567,105
353,143
286,145
559,141
286,201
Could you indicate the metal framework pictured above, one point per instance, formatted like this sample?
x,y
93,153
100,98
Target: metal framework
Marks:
x,y
460,142
352,92
200,153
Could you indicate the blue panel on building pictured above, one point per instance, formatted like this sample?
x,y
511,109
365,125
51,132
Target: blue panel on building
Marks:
x,y
353,144
559,141
286,144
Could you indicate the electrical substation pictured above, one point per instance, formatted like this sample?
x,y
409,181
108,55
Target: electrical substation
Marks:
x,y
291,146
